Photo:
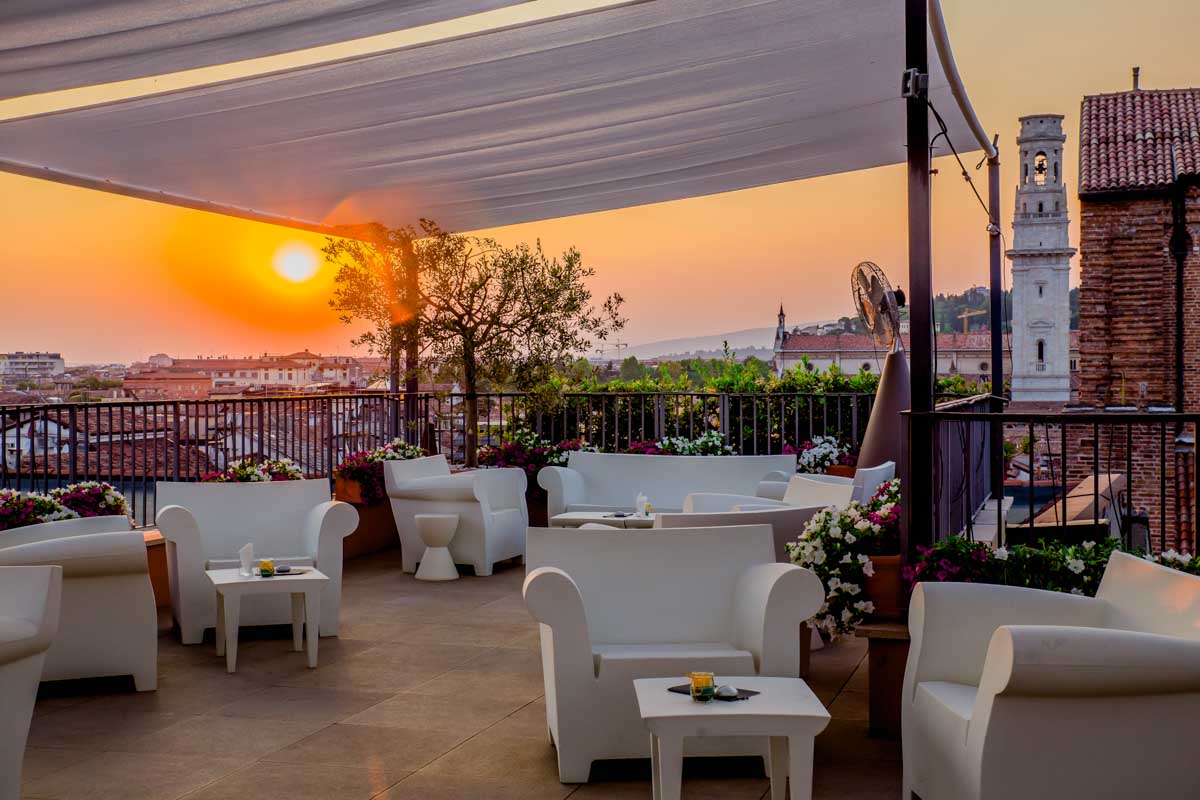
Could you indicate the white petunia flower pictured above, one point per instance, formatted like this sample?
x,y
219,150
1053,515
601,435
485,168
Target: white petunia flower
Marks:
x,y
1002,553
834,583
851,588
1075,565
1088,545
865,606
1076,591
851,538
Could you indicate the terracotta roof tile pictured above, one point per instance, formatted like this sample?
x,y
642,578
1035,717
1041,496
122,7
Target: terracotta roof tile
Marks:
x,y
1138,140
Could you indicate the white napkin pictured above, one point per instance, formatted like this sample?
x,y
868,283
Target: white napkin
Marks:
x,y
246,554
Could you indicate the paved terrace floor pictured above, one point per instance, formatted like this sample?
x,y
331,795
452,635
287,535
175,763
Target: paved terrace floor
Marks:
x,y
433,690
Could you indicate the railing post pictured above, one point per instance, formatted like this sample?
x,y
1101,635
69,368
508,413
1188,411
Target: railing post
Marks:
x,y
659,418
72,444
724,416
329,439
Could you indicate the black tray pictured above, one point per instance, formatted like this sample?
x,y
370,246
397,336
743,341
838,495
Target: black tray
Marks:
x,y
684,688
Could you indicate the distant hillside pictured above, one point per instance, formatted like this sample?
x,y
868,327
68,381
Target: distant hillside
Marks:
x,y
739,341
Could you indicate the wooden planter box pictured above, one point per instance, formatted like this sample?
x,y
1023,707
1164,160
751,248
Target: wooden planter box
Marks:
x,y
535,502
886,589
841,470
376,529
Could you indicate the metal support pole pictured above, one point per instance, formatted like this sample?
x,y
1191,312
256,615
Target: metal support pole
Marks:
x,y
917,485
996,273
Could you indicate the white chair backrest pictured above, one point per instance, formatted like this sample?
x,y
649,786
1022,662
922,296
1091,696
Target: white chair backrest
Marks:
x,y
270,514
867,480
62,529
653,587
804,491
1148,597
786,523
395,472
614,479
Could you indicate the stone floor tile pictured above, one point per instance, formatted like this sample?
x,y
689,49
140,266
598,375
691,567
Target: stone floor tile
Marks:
x,y
131,776
850,705
392,752
267,781
425,785
302,703
483,635
529,721
42,761
82,727
464,714
224,737
489,756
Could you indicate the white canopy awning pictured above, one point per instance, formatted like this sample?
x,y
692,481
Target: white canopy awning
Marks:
x,y
46,45
622,106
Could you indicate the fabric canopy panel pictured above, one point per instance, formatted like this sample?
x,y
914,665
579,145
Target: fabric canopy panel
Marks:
x,y
630,105
47,45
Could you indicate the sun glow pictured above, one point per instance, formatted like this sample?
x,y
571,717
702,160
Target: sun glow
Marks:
x,y
296,261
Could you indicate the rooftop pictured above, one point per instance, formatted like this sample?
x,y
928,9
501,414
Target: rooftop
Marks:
x,y
431,690
1138,140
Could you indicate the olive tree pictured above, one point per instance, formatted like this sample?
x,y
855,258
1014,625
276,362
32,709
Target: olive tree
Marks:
x,y
505,315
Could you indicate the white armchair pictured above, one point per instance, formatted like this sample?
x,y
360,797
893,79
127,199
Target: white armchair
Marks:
x,y
611,481
490,503
109,623
615,606
786,523
860,488
293,522
1012,692
29,610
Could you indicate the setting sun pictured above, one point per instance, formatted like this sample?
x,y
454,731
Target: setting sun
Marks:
x,y
296,261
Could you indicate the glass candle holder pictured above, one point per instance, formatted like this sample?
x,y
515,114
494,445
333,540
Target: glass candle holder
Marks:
x,y
266,567
703,686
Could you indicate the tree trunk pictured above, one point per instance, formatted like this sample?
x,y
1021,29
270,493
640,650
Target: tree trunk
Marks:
x,y
471,411
412,332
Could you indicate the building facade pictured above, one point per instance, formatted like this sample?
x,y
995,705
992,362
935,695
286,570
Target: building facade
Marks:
x,y
21,366
1041,266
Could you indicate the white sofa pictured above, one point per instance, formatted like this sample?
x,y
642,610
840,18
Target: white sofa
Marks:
x,y
860,488
490,503
109,623
786,523
617,605
1012,692
293,522
29,610
611,481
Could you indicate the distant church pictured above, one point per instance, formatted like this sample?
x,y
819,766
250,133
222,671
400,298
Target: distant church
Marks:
x,y
1041,267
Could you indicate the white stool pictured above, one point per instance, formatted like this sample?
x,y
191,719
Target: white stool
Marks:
x,y
436,531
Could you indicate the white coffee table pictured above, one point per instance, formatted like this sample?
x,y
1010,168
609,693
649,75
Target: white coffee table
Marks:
x,y
574,519
304,587
786,710
436,531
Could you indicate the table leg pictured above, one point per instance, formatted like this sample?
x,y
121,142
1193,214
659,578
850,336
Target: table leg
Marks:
x,y
312,617
779,767
670,767
655,769
800,765
297,621
232,608
220,637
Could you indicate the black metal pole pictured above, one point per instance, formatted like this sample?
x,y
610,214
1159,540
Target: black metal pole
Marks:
x,y
917,487
996,275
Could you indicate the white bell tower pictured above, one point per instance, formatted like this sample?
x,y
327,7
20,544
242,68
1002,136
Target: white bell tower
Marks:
x,y
1041,264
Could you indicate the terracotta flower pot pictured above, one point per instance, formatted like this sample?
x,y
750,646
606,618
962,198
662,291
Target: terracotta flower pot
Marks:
x,y
346,490
886,588
841,470
535,501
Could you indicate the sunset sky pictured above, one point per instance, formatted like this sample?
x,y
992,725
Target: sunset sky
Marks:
x,y
101,277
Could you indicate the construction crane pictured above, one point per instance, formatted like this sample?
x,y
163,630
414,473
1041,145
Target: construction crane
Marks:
x,y
617,345
966,315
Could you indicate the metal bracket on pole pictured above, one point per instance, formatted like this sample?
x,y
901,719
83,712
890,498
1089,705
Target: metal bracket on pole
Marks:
x,y
914,83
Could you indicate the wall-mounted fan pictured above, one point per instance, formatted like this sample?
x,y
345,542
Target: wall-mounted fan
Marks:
x,y
878,303
879,307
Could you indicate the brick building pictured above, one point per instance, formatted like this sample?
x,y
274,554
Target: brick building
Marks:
x,y
1139,192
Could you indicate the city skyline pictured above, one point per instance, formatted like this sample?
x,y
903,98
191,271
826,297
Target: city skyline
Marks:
x,y
198,283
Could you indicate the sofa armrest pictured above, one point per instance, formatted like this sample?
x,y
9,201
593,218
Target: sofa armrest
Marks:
x,y
770,489
324,528
1060,661
771,602
90,555
554,600
951,625
456,488
564,487
31,599
497,489
709,502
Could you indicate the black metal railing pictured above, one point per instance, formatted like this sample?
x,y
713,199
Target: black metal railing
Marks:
x,y
1069,475
133,445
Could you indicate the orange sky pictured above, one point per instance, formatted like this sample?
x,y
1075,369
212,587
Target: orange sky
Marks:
x,y
103,277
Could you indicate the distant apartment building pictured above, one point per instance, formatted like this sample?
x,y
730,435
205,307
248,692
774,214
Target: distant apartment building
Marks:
x,y
168,385
299,371
21,366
